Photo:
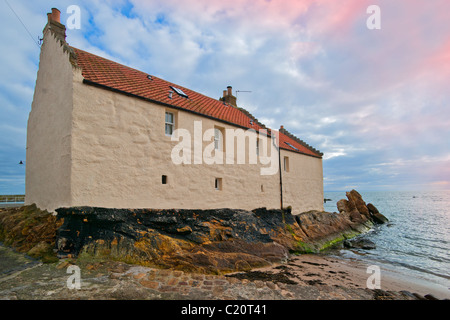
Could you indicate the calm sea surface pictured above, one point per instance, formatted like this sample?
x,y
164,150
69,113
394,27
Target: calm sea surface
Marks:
x,y
417,239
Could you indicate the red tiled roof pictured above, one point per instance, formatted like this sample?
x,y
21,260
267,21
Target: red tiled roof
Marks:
x,y
112,75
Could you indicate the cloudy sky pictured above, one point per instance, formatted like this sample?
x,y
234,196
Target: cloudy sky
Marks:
x,y
375,101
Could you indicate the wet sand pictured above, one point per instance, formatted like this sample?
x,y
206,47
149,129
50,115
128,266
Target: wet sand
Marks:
x,y
330,270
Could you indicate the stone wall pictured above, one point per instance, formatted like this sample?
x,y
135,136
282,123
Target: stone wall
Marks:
x,y
120,153
48,158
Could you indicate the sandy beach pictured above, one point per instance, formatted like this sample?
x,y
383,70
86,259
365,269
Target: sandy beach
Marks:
x,y
330,270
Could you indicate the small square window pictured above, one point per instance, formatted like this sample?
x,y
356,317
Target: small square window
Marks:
x,y
164,179
218,184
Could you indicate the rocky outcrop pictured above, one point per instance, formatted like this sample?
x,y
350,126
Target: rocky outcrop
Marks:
x,y
207,241
361,243
29,230
324,229
376,215
358,211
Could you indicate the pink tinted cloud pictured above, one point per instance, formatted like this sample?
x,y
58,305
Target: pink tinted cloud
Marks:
x,y
401,51
251,13
436,67
335,17
321,15
412,45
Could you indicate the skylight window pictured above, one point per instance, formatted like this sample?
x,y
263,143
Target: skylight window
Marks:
x,y
180,92
290,145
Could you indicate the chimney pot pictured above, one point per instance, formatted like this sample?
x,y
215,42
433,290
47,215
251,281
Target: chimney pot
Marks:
x,y
281,127
56,15
224,93
55,26
230,90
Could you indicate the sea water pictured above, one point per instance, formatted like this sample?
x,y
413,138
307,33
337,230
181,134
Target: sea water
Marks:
x,y
416,241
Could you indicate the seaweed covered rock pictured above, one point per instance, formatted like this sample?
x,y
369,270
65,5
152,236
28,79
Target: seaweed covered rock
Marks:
x,y
207,241
360,243
325,229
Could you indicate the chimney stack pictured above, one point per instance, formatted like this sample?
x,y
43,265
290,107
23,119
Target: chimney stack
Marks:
x,y
54,25
228,96
56,15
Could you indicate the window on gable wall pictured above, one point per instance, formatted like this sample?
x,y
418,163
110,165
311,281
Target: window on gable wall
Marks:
x,y
286,164
169,123
218,139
